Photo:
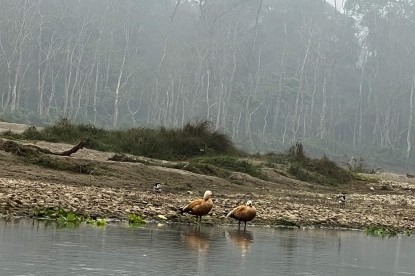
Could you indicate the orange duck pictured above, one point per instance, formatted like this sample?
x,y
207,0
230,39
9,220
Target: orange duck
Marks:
x,y
243,213
199,207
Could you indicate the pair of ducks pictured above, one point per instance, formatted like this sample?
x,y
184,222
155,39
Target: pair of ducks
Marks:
x,y
202,206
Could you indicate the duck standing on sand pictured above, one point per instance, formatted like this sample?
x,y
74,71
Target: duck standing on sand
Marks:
x,y
199,207
243,213
157,188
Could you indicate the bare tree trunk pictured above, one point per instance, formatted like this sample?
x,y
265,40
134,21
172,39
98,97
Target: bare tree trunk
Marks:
x,y
23,33
43,70
323,111
357,128
40,75
120,75
19,87
410,119
295,123
256,29
221,103
95,93
5,98
53,77
68,78
313,94
16,79
208,106
133,113
153,109
281,76
80,93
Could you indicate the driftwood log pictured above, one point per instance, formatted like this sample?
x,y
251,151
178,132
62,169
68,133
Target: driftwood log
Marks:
x,y
25,150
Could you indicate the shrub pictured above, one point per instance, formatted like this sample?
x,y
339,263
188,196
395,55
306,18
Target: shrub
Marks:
x,y
228,163
321,171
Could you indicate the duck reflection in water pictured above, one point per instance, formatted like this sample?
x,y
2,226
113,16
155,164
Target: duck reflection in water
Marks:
x,y
197,240
241,239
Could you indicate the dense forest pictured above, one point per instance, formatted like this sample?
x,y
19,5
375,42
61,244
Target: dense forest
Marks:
x,y
267,73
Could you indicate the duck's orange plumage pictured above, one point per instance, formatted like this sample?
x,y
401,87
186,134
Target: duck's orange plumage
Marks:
x,y
199,207
243,213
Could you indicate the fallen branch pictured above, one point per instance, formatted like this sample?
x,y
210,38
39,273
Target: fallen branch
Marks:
x,y
77,147
25,150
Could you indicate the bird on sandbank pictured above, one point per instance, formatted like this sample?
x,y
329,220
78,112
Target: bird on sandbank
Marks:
x,y
342,198
243,213
199,207
157,188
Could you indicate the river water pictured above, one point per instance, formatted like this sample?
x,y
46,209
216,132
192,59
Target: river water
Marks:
x,y
37,248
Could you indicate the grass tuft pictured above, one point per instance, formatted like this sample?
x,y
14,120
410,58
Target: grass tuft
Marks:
x,y
380,231
134,219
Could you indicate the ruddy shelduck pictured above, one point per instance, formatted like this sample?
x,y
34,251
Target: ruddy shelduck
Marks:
x,y
199,207
243,213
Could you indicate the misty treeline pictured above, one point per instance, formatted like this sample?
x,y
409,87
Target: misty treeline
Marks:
x,y
267,73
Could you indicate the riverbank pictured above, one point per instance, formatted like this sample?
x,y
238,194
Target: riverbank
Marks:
x,y
388,203
113,189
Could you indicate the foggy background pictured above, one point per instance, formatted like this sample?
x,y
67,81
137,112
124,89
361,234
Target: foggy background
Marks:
x,y
268,73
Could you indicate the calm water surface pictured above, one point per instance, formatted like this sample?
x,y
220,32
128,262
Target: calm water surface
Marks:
x,y
36,248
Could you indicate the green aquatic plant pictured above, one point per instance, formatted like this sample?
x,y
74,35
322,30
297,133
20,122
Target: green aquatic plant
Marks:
x,y
62,217
380,231
133,219
70,218
65,219
96,222
50,213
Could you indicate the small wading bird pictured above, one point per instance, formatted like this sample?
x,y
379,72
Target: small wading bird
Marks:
x,y
243,213
199,207
342,198
157,188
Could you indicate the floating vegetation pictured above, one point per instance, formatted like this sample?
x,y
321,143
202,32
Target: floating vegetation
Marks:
x,y
408,232
133,219
71,220
64,218
50,213
96,222
380,231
